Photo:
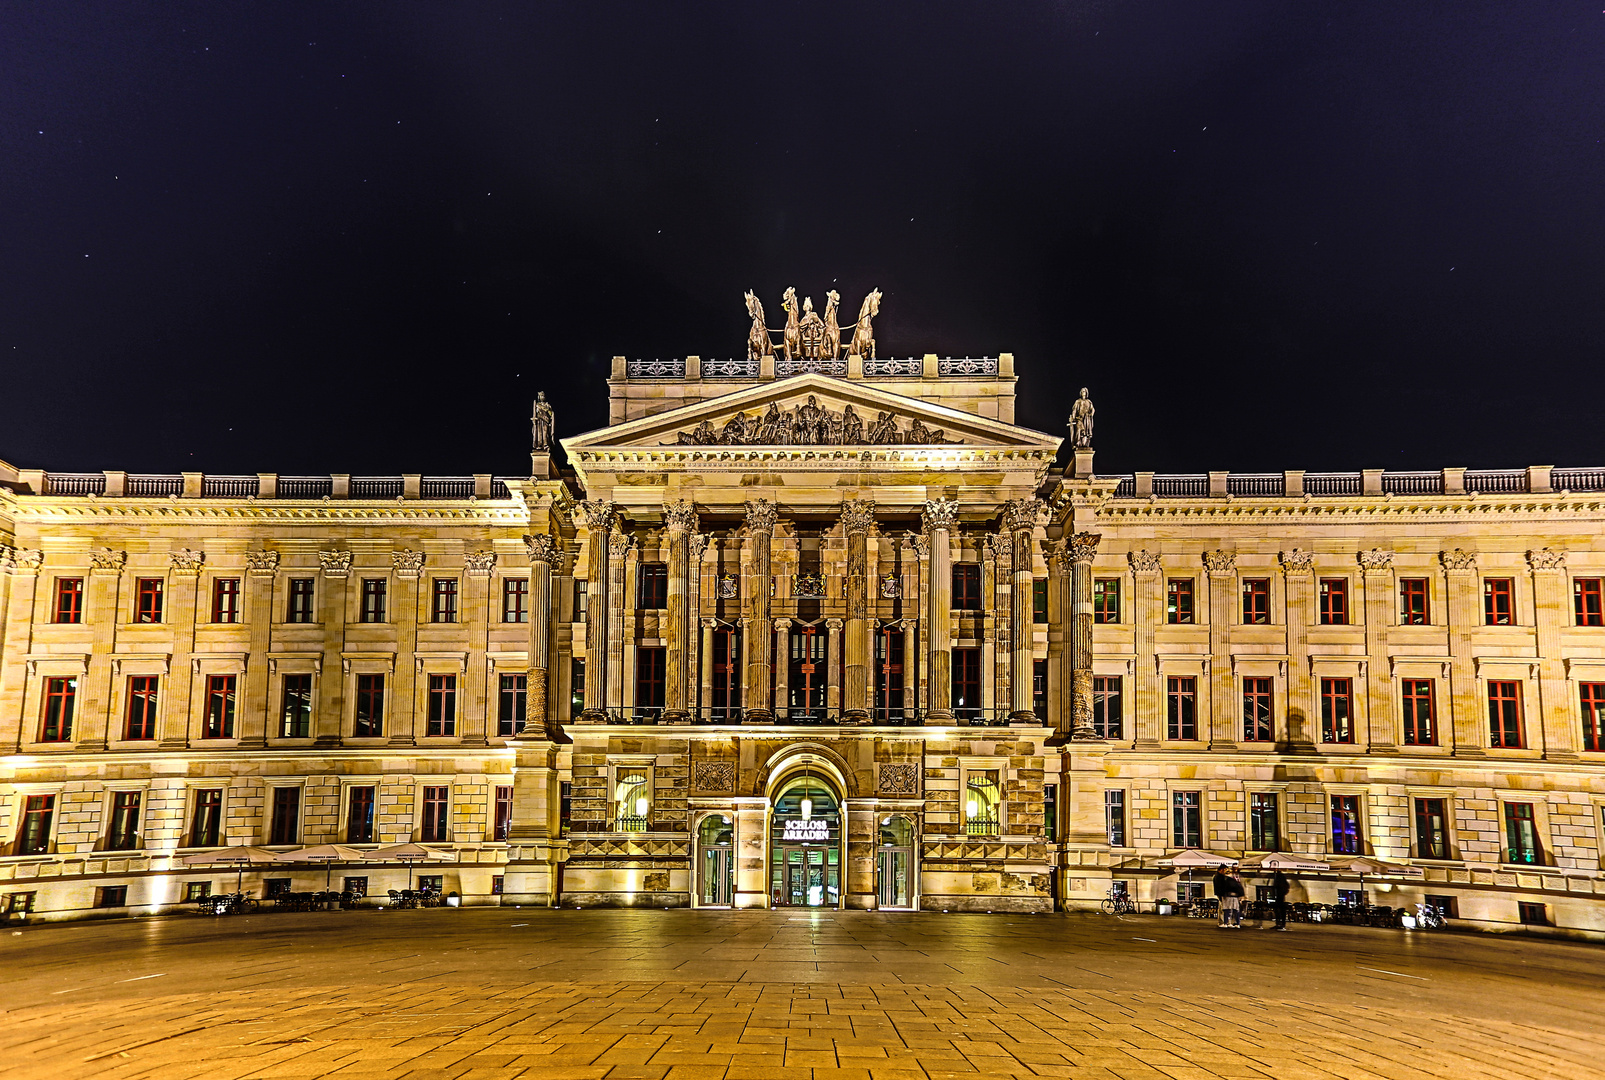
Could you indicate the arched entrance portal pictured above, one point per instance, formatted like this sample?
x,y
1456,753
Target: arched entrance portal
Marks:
x,y
805,844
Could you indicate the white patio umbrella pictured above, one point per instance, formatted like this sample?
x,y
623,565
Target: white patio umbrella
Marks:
x,y
1379,868
328,854
239,856
1282,860
1191,859
409,854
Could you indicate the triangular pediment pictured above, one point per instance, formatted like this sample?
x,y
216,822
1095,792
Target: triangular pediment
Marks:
x,y
812,411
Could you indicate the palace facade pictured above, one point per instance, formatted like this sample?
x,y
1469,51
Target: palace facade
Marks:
x,y
794,631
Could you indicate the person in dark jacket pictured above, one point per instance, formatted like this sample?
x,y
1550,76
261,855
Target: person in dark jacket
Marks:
x,y
1279,889
1223,893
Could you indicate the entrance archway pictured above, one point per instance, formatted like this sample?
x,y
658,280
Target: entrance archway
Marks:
x,y
805,843
715,860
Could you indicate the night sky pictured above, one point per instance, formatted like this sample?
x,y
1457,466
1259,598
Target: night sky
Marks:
x,y
312,238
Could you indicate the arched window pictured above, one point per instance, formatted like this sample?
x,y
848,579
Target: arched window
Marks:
x,y
981,800
632,800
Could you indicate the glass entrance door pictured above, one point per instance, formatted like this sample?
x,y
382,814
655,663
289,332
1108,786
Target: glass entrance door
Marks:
x,y
807,877
805,845
894,878
715,865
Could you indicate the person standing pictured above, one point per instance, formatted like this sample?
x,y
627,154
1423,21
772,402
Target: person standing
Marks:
x,y
1223,896
1279,889
1236,894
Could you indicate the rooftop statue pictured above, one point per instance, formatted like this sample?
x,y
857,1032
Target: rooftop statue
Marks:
x,y
806,334
1081,422
542,423
758,343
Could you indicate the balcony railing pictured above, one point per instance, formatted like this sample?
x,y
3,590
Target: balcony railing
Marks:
x,y
377,487
1577,479
1497,481
967,365
446,487
655,369
1332,483
76,483
305,487
1413,483
1256,484
892,367
991,718
739,368
837,366
154,487
1181,486
230,487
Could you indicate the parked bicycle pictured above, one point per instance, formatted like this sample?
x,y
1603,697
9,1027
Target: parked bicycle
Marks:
x,y
1119,902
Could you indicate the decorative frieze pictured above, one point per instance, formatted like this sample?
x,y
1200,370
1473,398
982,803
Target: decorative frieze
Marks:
x,y
898,778
713,777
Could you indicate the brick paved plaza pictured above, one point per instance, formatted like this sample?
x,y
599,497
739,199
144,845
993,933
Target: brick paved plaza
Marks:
x,y
500,993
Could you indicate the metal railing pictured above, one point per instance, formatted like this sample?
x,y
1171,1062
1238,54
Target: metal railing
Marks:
x,y
154,487
967,365
739,368
820,366
892,367
1332,483
1256,484
1181,486
230,487
655,369
1497,481
1413,483
815,718
377,487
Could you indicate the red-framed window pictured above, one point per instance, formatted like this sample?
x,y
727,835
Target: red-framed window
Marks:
x,y
206,821
1420,713
1432,829
226,600
1179,601
511,693
889,654
442,706
33,836
359,815
284,821
369,716
1181,707
806,671
1257,722
1504,714
1106,600
1264,821
122,832
301,608
374,592
967,683
1499,601
295,714
1345,824
61,697
726,674
504,811
654,582
967,586
1521,835
1108,708
1337,710
219,718
148,600
1588,598
141,719
650,670
1334,601
443,609
69,600
515,600
436,801
1256,601
1414,605
1592,695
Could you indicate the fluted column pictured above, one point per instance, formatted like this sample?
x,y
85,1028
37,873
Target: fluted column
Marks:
x,y
705,665
833,669
544,554
857,517
600,517
1019,520
1083,547
682,519
761,516
782,640
940,517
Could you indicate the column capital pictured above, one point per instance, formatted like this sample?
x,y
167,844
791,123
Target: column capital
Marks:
x,y
544,548
1546,559
263,563
1296,561
1458,560
1083,546
1220,562
21,560
918,542
940,514
599,514
782,625
857,515
1144,561
1376,561
834,625
681,516
479,563
618,545
185,561
761,516
107,560
406,562
1021,514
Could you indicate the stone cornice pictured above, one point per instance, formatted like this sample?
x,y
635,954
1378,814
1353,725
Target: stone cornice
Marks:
x,y
1214,512
805,457
49,510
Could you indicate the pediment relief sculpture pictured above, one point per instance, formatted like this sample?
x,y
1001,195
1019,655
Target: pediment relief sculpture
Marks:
x,y
811,424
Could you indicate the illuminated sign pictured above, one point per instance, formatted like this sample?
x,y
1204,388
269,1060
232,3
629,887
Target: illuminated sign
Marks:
x,y
797,831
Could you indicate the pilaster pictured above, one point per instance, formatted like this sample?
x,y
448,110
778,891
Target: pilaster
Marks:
x,y
761,517
1464,610
939,518
1551,604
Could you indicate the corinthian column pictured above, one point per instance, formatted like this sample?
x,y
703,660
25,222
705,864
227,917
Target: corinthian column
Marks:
x,y
1019,519
857,517
600,517
1083,546
939,518
682,518
544,553
760,531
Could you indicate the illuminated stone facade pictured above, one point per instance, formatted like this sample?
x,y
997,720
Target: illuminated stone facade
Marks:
x,y
801,631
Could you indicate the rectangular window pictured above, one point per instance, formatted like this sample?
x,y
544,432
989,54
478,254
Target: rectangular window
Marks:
x,y
1532,914
649,676
300,609
284,826
1337,710
889,649
1334,601
1413,605
983,803
356,886
61,695
504,811
576,686
1108,713
218,722
1257,723
148,600
1521,835
1256,601
433,830
122,833
1588,597
141,719
1593,704
1186,819
967,586
511,694
967,683
275,886
33,837
431,883
1039,689
1039,600
206,822
295,714
1345,824
1504,714
1114,816
515,600
1181,694
1106,600
654,591
196,890
374,594
1499,601
1420,715
1432,829
1050,812
565,806
582,599
442,706
359,815
1179,601
370,707
226,600
111,896
443,609
69,600
1265,830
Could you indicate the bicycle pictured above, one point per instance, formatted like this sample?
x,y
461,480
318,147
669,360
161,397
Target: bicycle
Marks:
x,y
1119,903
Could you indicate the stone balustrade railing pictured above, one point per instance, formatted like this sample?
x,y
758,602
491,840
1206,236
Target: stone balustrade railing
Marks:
x,y
262,486
1535,479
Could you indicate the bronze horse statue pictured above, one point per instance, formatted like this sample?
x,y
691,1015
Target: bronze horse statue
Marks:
x,y
791,342
833,332
758,343
863,336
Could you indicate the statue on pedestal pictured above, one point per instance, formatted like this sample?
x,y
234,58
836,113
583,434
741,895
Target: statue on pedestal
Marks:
x,y
1081,422
543,424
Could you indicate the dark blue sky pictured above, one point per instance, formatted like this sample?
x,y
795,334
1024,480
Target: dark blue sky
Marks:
x,y
358,238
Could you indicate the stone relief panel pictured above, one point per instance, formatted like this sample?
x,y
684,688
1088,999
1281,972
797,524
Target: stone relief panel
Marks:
x,y
714,776
811,424
898,778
